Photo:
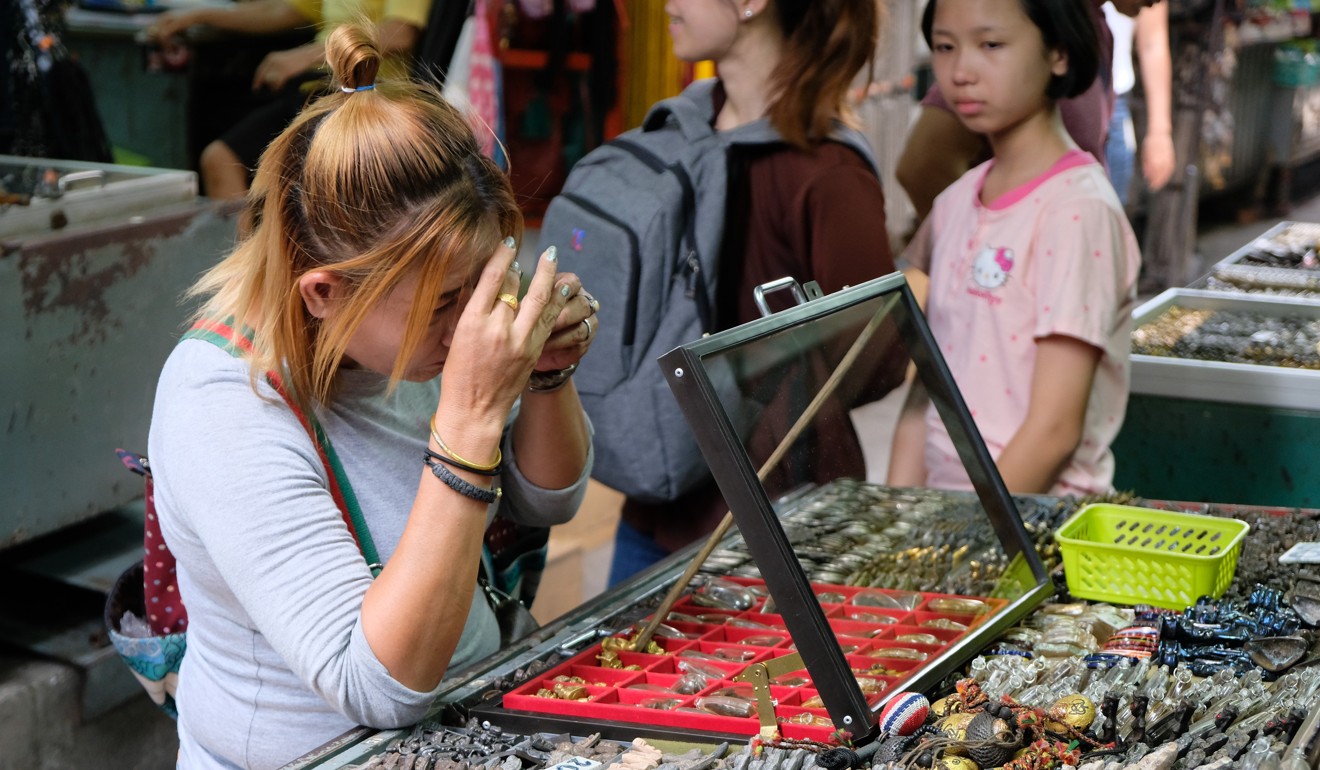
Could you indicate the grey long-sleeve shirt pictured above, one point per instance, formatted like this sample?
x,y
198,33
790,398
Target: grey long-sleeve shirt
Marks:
x,y
277,663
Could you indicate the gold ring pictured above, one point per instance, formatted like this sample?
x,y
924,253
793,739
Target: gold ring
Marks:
x,y
509,300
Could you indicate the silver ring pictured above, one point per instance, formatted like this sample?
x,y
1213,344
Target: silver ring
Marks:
x,y
587,321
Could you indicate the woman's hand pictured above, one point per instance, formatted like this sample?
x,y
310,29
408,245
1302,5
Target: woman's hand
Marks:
x,y
574,329
496,342
1157,159
279,67
172,23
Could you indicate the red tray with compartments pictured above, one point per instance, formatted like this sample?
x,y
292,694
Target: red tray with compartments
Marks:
x,y
880,645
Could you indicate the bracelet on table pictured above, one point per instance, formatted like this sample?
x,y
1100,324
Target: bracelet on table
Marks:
x,y
462,486
451,461
467,465
549,382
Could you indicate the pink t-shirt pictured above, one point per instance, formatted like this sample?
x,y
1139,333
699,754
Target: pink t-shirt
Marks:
x,y
1055,256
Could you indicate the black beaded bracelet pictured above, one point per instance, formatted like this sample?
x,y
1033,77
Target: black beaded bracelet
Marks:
x,y
434,455
462,486
549,382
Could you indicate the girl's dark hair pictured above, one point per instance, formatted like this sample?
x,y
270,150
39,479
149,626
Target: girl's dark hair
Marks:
x,y
1065,25
827,44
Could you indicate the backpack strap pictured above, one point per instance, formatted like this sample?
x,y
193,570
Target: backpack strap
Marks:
x,y
224,336
692,111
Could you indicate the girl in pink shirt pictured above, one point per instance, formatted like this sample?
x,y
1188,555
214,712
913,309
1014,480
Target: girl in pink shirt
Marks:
x,y
1032,263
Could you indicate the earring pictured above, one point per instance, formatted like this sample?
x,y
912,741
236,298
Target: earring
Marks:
x,y
747,13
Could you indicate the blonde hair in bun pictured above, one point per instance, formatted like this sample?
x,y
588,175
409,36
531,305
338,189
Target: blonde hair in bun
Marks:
x,y
374,187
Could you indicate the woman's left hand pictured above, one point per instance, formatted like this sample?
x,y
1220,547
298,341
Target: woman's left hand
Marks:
x,y
573,331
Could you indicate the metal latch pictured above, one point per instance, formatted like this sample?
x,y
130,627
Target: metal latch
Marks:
x,y
802,294
758,675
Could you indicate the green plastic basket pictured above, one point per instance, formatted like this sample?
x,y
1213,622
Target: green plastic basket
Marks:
x,y
1127,555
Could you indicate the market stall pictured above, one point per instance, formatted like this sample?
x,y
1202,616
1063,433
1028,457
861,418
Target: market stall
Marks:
x,y
849,624
1112,655
1225,375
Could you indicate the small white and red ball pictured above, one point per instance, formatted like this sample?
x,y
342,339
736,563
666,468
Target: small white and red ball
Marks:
x,y
904,714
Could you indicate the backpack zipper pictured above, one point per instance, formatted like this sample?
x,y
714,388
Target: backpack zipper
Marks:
x,y
634,277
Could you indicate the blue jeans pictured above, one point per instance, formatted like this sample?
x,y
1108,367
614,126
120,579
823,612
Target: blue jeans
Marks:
x,y
1120,149
633,552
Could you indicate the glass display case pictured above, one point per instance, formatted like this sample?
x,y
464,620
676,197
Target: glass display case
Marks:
x,y
833,595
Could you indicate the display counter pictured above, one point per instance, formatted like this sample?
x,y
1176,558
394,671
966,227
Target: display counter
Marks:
x,y
1225,389
863,549
904,624
92,257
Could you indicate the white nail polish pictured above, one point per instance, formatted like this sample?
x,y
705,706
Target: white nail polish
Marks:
x,y
552,254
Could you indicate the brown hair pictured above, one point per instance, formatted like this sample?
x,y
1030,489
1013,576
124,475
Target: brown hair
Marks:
x,y
374,185
827,44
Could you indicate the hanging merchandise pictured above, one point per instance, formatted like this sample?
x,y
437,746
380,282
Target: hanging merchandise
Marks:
x,y
439,41
539,9
470,78
54,108
654,73
559,90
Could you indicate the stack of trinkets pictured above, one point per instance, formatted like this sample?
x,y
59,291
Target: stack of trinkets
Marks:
x,y
1260,631
860,534
1282,263
1231,336
481,746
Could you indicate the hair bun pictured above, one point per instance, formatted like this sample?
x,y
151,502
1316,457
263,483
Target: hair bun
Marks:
x,y
353,55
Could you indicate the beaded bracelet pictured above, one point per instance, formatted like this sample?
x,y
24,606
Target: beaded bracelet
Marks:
x,y
455,463
459,462
462,486
549,382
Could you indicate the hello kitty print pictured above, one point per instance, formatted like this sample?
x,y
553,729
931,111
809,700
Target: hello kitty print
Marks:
x,y
991,269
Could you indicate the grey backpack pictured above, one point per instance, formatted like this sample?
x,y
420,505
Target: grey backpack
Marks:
x,y
641,220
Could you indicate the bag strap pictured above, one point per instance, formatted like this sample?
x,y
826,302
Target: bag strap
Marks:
x,y
224,336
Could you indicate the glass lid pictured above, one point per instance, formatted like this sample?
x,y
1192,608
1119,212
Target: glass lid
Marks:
x,y
880,589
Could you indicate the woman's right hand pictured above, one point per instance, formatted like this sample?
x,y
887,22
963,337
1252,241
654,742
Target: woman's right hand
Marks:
x,y
496,342
170,24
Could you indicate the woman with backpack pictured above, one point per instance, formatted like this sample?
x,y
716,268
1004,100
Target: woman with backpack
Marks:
x,y
808,205
303,434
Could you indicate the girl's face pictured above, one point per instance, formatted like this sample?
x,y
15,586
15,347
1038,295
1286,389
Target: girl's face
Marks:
x,y
702,29
376,343
991,63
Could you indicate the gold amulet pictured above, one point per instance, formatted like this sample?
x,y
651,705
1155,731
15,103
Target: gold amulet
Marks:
x,y
1076,711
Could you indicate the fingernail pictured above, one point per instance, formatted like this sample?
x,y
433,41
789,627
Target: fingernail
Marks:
x,y
552,254
564,291
595,305
510,242
515,267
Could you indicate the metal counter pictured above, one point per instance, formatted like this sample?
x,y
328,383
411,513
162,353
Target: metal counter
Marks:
x,y
1217,431
90,285
1233,383
1236,273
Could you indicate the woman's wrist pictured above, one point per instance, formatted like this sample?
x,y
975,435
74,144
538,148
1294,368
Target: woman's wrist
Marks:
x,y
551,381
474,442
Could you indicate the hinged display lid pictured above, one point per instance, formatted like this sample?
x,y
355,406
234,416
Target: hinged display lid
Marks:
x,y
771,404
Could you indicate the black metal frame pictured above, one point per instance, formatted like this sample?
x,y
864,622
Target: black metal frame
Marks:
x,y
759,524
